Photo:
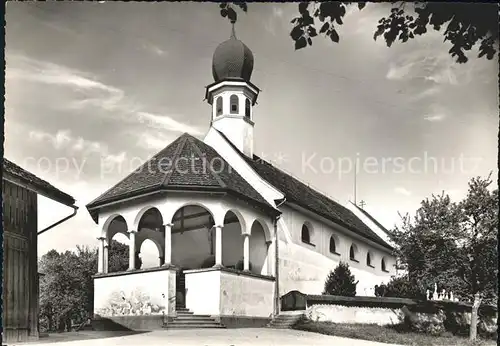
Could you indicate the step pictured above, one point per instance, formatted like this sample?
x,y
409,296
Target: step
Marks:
x,y
184,313
192,326
193,322
191,316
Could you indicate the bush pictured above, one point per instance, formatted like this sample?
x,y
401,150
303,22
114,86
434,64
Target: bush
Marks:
x,y
427,323
401,287
240,265
340,282
208,262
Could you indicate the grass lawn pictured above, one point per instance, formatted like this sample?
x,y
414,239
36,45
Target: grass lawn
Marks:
x,y
373,332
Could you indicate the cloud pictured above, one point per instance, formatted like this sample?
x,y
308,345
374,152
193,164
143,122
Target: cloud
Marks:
x,y
63,139
426,93
91,93
76,156
402,191
436,113
428,62
277,12
153,140
155,49
165,122
399,72
434,117
275,22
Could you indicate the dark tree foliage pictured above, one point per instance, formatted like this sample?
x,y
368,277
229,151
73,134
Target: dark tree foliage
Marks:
x,y
118,258
340,282
464,24
241,264
401,287
454,245
67,287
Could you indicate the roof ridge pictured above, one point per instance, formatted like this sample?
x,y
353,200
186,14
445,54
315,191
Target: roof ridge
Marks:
x,y
309,185
175,157
215,175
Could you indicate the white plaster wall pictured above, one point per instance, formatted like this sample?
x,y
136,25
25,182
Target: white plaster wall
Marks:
x,y
267,191
245,296
143,293
203,292
133,210
305,267
353,314
237,130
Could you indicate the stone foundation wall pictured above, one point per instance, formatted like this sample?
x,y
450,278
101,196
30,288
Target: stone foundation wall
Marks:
x,y
425,317
354,314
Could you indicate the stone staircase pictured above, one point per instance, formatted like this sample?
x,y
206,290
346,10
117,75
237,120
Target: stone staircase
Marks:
x,y
186,319
285,321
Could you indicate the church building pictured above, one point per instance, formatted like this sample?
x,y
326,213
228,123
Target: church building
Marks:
x,y
234,233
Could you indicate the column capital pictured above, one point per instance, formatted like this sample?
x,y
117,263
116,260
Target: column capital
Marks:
x,y
132,231
269,242
101,238
245,234
169,225
219,226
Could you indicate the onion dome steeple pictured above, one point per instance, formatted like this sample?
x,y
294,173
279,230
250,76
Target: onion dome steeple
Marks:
x,y
232,59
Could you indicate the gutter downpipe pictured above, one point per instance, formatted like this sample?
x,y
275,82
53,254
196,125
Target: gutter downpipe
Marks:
x,y
75,208
276,264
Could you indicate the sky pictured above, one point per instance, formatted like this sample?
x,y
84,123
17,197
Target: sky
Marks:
x,y
95,89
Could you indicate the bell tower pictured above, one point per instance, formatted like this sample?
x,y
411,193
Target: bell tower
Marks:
x,y
232,95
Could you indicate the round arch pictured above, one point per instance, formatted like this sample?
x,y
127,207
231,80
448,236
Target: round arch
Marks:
x,y
369,258
150,259
154,241
265,228
143,211
241,219
334,244
353,252
307,233
108,222
259,247
383,264
193,238
214,215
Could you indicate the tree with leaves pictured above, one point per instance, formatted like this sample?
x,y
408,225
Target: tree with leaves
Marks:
x,y
465,24
67,287
401,287
340,282
118,258
454,245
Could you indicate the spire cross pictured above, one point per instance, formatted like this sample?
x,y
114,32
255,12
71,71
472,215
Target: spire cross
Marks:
x,y
362,204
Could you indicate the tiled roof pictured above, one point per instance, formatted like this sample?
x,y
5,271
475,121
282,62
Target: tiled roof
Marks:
x,y
38,184
299,193
185,164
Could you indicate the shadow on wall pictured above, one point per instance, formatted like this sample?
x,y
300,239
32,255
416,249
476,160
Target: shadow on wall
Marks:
x,y
106,324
